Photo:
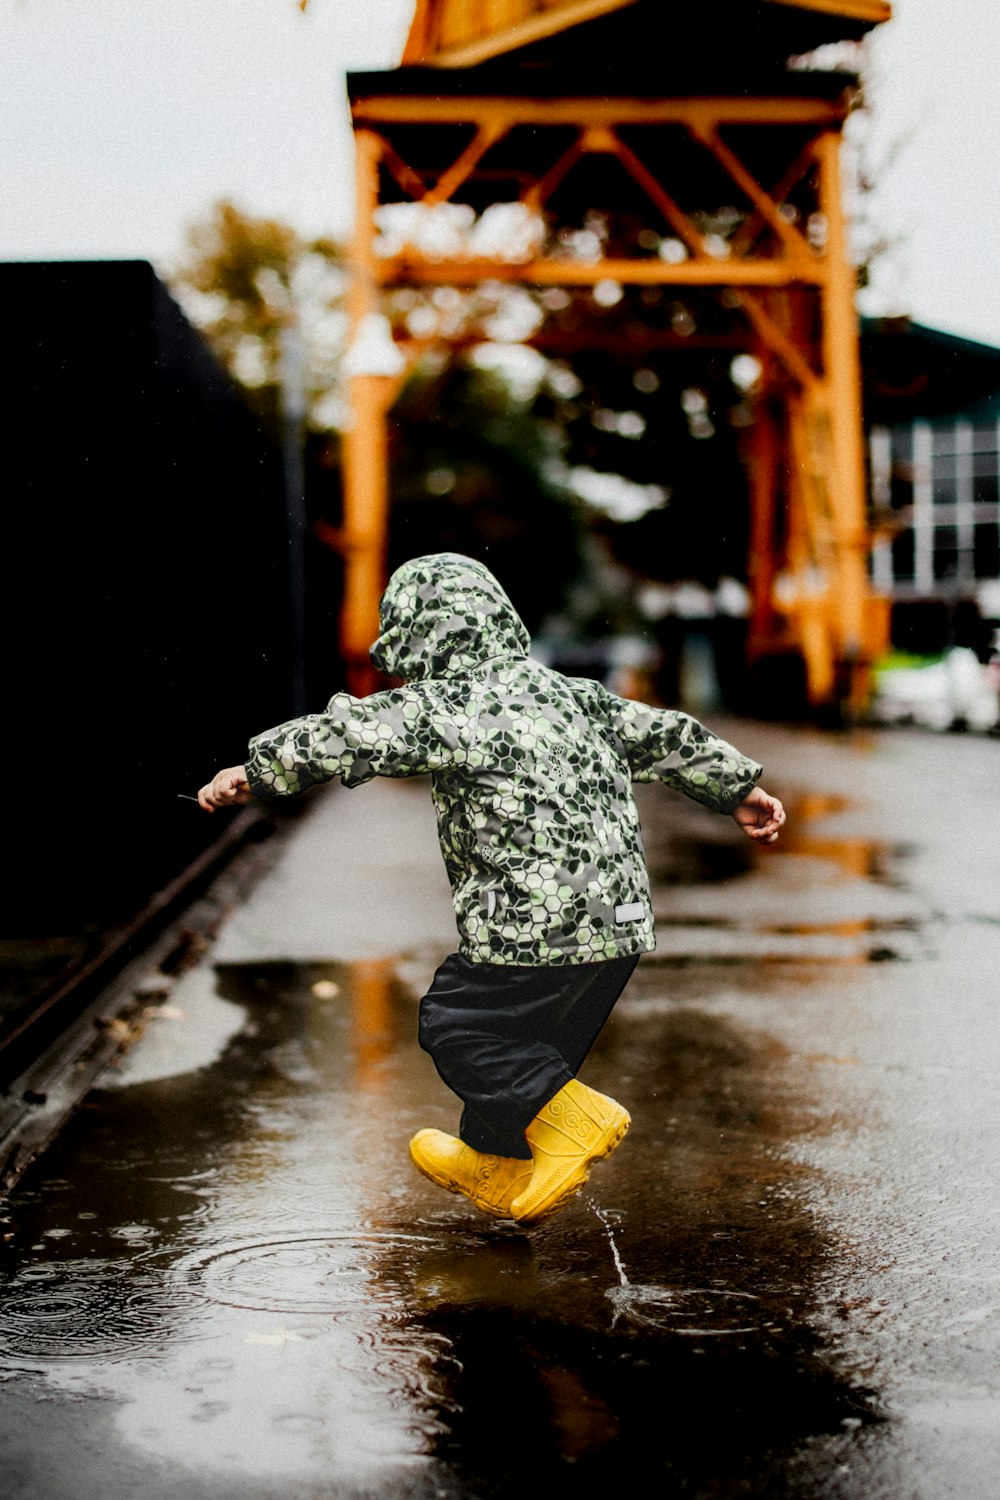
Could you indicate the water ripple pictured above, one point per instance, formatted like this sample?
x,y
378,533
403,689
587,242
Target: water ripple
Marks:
x,y
89,1310
331,1273
694,1312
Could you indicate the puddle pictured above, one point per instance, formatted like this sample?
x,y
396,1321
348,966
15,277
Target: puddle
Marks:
x,y
690,1312
81,1311
688,855
312,1273
682,942
184,1036
856,856
235,1268
669,1339
697,1312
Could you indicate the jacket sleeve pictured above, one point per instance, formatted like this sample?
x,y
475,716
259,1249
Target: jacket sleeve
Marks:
x,y
663,744
388,734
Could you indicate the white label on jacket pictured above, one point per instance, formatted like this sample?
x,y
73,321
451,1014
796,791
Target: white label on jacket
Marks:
x,y
633,912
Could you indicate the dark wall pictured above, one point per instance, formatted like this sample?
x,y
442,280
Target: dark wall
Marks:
x,y
145,612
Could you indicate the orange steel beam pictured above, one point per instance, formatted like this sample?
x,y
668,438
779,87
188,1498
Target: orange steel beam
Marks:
x,y
747,235
409,181
778,342
811,553
794,241
365,478
658,195
721,272
493,27
603,140
467,109
461,170
818,596
631,341
538,193
494,118
875,11
842,368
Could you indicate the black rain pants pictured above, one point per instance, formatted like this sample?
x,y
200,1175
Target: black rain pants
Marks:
x,y
506,1038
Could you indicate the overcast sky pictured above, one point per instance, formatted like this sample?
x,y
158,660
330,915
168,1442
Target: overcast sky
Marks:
x,y
123,120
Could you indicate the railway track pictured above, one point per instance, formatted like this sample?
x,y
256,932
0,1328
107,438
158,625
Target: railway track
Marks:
x,y
62,1040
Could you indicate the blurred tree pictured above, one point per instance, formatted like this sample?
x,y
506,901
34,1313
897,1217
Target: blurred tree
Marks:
x,y
270,303
473,471
471,460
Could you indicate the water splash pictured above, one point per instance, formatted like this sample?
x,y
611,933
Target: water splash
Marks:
x,y
690,1312
619,1265
698,1312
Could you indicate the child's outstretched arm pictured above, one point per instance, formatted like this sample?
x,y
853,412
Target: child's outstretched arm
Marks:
x,y
395,733
664,744
228,788
760,816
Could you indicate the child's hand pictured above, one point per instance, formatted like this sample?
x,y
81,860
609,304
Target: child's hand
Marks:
x,y
760,816
228,788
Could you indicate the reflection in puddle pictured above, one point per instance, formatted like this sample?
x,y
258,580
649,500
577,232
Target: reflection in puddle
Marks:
x,y
239,1265
824,897
712,857
670,1338
853,855
734,944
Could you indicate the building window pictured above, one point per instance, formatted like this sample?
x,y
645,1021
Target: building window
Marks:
x,y
986,551
936,493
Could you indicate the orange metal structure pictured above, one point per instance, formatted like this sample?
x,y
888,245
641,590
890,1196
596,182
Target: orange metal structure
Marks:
x,y
459,33
456,128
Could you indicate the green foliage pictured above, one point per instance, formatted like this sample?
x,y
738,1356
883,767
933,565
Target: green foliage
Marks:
x,y
260,293
469,457
894,660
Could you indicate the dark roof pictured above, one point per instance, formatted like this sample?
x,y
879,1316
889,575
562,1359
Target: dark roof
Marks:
x,y
650,49
913,372
700,77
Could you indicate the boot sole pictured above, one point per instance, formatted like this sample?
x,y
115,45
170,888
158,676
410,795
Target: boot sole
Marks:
x,y
558,1196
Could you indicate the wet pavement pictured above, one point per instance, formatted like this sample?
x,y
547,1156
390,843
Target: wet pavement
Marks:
x,y
226,1280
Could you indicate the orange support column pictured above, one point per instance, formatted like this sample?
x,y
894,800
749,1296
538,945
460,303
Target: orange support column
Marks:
x,y
763,451
842,378
365,477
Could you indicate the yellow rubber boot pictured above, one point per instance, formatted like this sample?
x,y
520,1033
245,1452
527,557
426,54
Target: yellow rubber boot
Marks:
x,y
577,1128
490,1182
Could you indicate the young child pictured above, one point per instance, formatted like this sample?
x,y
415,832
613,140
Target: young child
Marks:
x,y
531,778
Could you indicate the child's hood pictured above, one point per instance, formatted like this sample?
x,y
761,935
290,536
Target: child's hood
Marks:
x,y
443,615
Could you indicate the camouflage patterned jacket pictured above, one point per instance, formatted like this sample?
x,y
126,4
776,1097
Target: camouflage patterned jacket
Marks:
x,y
530,771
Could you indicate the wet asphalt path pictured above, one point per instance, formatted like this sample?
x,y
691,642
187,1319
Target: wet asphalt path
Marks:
x,y
226,1280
